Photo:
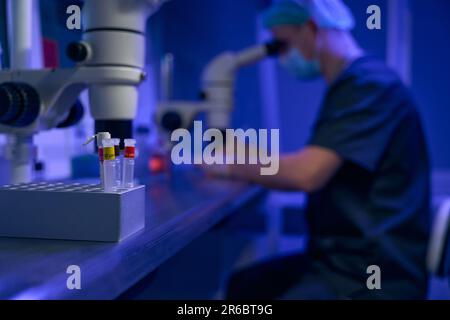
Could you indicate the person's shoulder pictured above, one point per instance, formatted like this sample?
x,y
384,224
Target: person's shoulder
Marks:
x,y
365,80
368,71
368,86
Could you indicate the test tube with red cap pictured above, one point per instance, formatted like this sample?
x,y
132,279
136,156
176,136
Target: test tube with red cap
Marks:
x,y
129,163
118,162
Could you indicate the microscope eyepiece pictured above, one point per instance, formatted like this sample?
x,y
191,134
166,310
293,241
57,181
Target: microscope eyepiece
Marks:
x,y
275,47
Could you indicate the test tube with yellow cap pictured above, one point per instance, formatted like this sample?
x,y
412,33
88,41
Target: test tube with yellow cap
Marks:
x,y
100,137
109,166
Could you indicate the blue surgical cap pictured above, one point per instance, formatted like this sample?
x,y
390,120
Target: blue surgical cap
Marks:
x,y
331,14
285,13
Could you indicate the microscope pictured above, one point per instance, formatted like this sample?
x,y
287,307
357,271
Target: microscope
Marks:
x,y
217,93
110,64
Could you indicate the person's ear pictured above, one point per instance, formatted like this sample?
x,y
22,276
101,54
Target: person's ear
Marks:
x,y
313,27
309,39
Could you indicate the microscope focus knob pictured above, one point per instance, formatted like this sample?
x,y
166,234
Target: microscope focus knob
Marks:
x,y
171,121
10,103
77,51
74,116
19,104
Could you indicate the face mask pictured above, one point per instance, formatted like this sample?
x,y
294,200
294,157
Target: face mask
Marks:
x,y
296,64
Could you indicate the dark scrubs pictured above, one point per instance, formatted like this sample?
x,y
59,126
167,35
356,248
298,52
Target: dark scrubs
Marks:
x,y
374,211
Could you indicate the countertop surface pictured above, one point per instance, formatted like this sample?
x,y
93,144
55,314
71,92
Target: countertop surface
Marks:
x,y
178,210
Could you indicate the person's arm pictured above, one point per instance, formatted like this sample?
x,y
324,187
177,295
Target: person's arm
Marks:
x,y
308,170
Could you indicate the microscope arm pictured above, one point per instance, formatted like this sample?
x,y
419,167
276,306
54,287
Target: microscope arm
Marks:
x,y
58,90
219,81
224,67
218,89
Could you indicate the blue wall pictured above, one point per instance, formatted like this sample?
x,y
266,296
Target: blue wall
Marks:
x,y
431,72
195,31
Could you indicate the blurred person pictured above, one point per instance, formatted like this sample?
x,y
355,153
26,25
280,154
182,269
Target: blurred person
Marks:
x,y
365,169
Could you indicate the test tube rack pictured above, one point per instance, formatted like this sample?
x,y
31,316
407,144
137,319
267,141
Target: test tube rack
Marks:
x,y
70,212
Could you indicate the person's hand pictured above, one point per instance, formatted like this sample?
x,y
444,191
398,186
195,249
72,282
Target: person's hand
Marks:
x,y
233,171
221,171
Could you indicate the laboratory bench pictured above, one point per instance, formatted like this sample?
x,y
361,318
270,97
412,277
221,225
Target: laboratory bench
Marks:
x,y
179,209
